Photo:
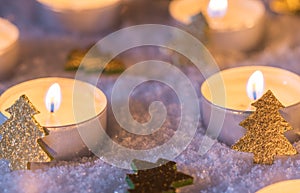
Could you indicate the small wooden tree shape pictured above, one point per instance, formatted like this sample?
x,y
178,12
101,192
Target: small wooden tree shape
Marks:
x,y
265,128
20,135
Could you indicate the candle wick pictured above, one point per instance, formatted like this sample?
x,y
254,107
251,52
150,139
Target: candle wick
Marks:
x,y
52,108
254,95
254,91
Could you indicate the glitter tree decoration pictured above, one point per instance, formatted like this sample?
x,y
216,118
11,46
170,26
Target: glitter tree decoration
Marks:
x,y
20,136
162,177
265,128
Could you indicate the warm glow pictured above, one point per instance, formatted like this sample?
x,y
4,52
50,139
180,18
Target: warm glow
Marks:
x,y
255,85
217,8
53,98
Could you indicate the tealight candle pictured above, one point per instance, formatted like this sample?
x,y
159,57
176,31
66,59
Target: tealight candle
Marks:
x,y
79,106
86,16
290,186
233,24
9,48
283,83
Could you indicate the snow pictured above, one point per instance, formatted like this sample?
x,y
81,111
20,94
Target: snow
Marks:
x,y
43,53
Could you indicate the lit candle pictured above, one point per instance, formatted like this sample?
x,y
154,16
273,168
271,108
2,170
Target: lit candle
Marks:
x,y
82,107
9,48
234,24
241,91
86,16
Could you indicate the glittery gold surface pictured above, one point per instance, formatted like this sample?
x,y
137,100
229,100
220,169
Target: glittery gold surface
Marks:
x,y
114,66
75,57
286,6
20,134
265,131
162,177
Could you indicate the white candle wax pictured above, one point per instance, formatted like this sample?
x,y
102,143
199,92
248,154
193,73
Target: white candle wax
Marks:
x,y
82,109
240,14
9,36
87,16
284,84
184,10
240,28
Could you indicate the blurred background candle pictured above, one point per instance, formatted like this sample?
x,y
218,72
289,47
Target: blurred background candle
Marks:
x,y
243,85
233,24
74,106
88,16
9,48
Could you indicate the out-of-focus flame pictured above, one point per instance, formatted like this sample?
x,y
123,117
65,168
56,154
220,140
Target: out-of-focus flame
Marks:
x,y
217,8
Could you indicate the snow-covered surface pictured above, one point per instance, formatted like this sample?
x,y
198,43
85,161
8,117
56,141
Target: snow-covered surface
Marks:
x,y
43,53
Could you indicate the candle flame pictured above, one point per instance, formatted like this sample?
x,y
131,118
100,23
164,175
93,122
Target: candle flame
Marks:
x,y
53,98
255,85
217,8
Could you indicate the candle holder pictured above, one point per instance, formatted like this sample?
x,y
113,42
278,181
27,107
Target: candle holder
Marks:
x,y
80,16
238,104
65,142
9,48
82,110
241,28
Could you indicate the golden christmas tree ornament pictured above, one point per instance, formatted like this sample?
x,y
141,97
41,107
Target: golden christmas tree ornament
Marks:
x,y
20,136
265,131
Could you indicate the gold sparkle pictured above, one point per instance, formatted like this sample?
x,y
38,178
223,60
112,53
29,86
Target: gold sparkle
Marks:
x,y
74,59
93,64
286,6
265,131
20,136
